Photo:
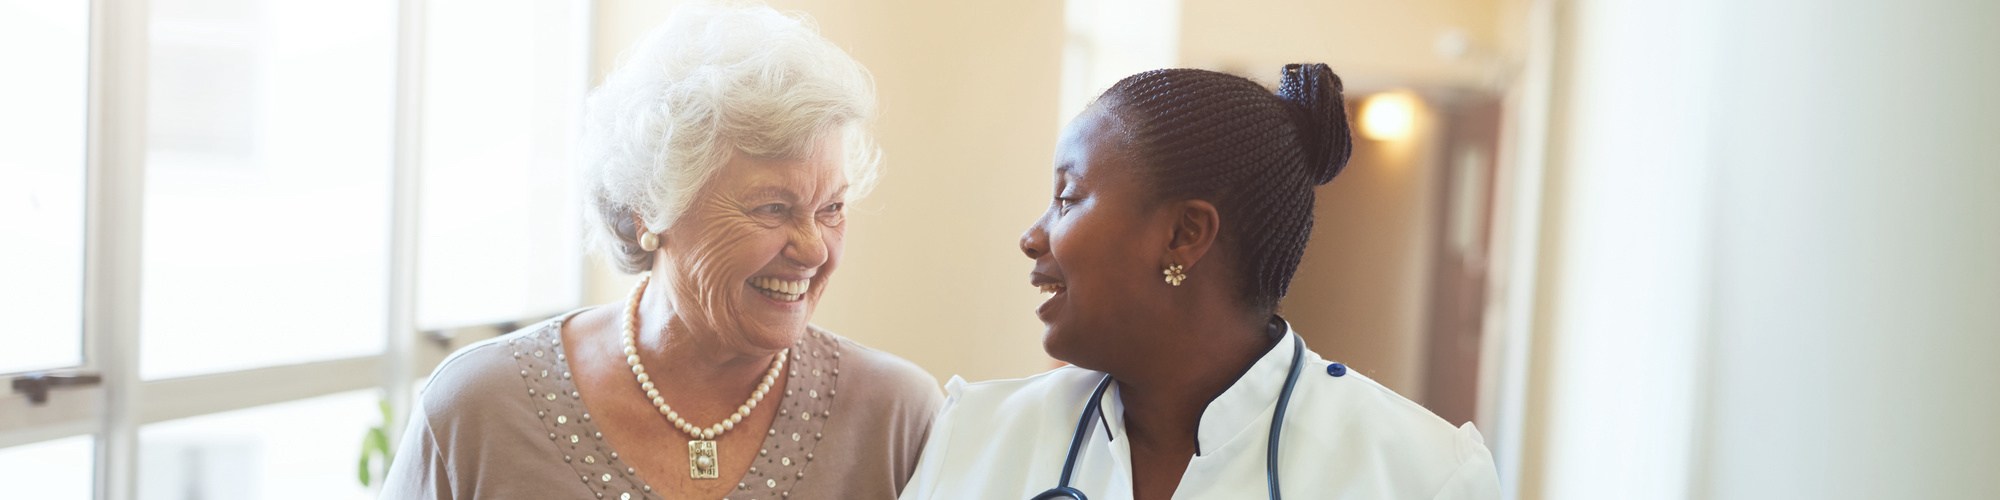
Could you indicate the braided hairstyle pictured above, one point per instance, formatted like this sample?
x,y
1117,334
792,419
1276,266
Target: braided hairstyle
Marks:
x,y
1257,156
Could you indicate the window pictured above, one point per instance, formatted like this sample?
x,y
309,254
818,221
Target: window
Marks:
x,y
1108,40
259,452
228,219
269,142
42,180
501,102
57,469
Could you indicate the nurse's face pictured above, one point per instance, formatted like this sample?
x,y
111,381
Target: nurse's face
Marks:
x,y
1097,249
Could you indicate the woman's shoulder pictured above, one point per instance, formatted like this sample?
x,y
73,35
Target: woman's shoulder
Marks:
x,y
485,376
868,373
990,426
1364,401
1065,384
1047,398
1055,390
1346,407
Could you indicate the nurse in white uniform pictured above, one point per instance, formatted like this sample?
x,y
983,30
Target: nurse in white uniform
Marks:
x,y
1183,200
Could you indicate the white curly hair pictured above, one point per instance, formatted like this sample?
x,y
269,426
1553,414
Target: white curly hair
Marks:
x,y
715,78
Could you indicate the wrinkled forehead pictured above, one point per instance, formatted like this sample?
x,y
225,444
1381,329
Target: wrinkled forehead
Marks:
x,y
818,174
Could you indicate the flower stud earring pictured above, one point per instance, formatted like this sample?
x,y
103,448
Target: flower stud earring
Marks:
x,y
1174,274
649,241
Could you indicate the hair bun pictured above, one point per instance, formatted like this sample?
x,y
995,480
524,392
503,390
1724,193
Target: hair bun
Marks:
x,y
1324,131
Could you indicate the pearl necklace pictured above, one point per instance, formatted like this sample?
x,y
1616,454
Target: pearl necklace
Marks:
x,y
702,458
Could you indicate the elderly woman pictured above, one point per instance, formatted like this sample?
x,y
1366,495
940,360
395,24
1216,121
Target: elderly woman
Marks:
x,y
726,146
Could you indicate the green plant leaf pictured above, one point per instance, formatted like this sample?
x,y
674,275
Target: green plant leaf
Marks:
x,y
366,478
381,445
377,442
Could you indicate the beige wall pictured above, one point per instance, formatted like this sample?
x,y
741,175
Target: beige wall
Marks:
x,y
933,272
1361,292
1371,43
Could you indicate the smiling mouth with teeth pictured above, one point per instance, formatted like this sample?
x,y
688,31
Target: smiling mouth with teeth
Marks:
x,y
782,290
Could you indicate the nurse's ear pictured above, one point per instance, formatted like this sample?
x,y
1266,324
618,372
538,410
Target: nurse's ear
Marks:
x,y
1195,226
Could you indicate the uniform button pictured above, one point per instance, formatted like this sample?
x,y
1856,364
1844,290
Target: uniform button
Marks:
x,y
1336,369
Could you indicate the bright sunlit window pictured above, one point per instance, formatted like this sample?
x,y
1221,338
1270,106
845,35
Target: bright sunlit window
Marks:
x,y
1109,40
261,452
275,146
50,470
499,238
41,180
267,183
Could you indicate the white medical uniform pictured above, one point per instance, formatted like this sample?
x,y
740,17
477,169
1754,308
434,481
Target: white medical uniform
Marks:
x,y
1344,437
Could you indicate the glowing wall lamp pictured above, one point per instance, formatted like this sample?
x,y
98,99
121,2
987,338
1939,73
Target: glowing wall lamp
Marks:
x,y
1389,116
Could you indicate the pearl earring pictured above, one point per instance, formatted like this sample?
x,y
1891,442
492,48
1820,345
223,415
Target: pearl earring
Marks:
x,y
1174,274
649,241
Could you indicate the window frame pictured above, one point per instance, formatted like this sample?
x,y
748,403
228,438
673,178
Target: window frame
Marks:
x,y
114,409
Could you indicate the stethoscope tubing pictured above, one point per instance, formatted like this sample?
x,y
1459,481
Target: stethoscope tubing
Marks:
x,y
1278,419
1091,409
1062,489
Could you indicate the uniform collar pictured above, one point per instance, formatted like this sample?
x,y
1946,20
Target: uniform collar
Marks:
x,y
1246,402
1235,410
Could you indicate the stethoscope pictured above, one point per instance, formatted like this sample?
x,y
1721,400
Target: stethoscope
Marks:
x,y
1062,489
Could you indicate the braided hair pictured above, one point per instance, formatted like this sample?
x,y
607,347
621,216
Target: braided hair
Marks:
x,y
1256,155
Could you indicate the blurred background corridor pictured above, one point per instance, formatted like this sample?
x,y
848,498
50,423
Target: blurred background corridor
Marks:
x,y
1653,249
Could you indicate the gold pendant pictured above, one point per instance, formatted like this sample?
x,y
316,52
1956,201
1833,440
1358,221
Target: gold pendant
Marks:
x,y
702,461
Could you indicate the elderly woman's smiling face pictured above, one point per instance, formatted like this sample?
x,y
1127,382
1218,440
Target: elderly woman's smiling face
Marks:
x,y
749,259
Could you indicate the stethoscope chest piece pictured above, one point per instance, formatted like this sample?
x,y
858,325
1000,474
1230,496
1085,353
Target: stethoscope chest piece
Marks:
x,y
1061,492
